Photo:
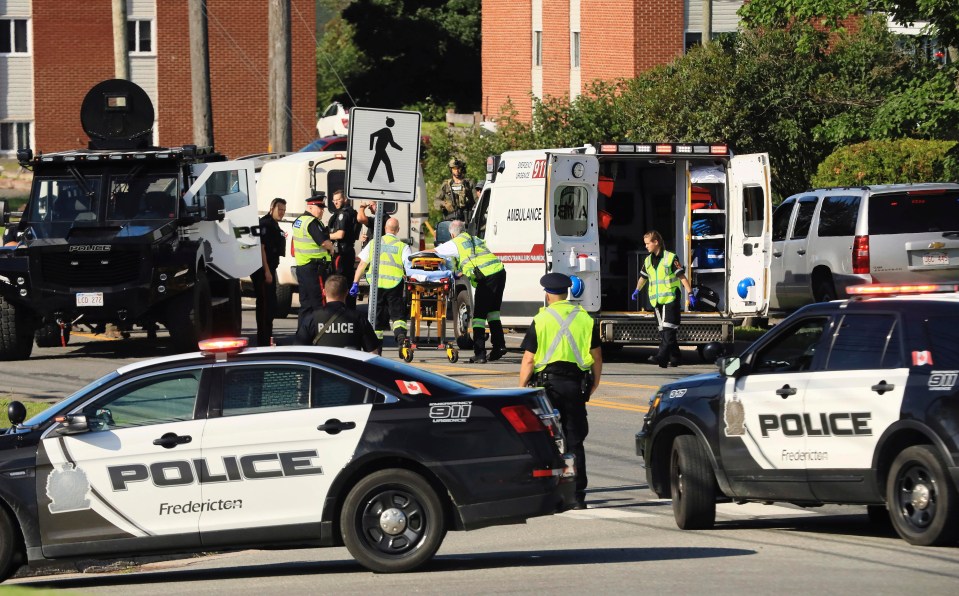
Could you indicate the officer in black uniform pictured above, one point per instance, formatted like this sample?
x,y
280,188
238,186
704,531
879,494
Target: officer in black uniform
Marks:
x,y
569,368
312,246
335,325
272,245
343,226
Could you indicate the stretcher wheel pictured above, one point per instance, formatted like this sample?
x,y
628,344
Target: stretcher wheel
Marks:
x,y
406,351
452,354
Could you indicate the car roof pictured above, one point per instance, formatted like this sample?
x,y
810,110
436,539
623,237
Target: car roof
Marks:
x,y
248,353
948,300
885,188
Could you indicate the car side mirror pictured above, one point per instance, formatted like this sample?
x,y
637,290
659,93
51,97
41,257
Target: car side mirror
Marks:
x,y
72,424
214,208
731,367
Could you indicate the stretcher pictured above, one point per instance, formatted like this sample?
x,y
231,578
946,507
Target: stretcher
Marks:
x,y
429,283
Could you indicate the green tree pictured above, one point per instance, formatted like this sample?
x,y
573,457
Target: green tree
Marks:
x,y
338,61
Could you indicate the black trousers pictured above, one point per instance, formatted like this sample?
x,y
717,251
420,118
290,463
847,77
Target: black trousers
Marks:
x,y
566,395
489,299
344,263
265,305
308,277
391,306
667,317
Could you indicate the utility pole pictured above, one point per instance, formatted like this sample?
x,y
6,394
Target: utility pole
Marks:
x,y
279,58
200,67
707,21
121,58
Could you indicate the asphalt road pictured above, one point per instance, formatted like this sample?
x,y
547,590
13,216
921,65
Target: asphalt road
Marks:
x,y
626,542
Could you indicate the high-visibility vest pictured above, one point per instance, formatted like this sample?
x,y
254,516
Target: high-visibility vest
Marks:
x,y
304,247
391,262
472,254
564,332
663,282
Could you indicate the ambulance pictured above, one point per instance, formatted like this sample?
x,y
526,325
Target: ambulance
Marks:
x,y
583,212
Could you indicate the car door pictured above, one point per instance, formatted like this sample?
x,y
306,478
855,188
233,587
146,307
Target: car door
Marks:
x,y
763,411
278,434
795,258
130,476
848,406
749,212
778,290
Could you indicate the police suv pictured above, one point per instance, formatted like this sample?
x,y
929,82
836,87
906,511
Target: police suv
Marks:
x,y
848,402
276,448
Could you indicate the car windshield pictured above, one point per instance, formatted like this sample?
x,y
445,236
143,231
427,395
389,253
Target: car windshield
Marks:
x,y
64,199
68,402
903,213
143,197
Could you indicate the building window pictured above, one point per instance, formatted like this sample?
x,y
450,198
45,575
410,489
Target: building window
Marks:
x,y
693,40
574,49
14,135
537,48
140,36
13,36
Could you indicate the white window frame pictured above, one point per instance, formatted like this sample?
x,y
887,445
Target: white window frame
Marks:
x,y
136,40
13,39
537,48
16,136
574,49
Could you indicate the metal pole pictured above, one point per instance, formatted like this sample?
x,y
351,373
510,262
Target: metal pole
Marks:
x,y
121,58
200,67
279,58
375,275
707,21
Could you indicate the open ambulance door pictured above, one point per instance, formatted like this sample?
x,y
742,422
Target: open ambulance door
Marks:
x,y
572,236
749,213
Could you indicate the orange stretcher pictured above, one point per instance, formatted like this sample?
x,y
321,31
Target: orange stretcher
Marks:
x,y
428,291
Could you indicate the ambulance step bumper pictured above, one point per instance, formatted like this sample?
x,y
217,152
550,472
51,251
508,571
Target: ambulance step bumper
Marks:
x,y
641,331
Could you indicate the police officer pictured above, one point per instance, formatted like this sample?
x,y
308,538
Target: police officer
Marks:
x,y
335,325
394,254
312,246
455,198
343,234
487,274
562,352
272,245
664,273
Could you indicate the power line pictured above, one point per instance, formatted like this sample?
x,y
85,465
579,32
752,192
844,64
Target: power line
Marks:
x,y
317,42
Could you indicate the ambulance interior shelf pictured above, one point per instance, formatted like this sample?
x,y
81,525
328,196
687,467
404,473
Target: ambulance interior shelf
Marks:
x,y
707,231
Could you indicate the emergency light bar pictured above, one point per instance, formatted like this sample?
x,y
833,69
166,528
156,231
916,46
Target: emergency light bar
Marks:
x,y
720,149
223,346
896,289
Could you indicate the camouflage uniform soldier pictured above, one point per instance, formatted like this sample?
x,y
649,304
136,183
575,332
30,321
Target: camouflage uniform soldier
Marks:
x,y
455,199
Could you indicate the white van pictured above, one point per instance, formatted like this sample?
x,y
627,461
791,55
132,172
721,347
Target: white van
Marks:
x,y
298,176
583,211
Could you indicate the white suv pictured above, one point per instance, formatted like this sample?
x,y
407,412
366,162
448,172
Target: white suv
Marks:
x,y
825,240
334,121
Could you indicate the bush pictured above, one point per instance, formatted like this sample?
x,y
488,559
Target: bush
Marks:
x,y
889,162
431,111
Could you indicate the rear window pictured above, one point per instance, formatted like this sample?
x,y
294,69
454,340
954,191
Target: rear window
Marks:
x,y
838,216
903,213
943,334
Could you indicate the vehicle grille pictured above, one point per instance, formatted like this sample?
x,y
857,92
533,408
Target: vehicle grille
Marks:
x,y
646,332
90,270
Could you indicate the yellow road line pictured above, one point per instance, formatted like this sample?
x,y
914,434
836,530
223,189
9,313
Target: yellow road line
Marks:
x,y
94,336
615,406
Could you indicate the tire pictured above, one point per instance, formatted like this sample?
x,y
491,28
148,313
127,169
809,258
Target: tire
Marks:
x,y
419,532
228,316
48,336
825,291
878,515
284,301
692,485
16,331
922,500
463,316
9,546
189,316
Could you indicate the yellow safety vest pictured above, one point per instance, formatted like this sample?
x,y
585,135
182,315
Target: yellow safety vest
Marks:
x,y
304,248
472,254
564,332
391,262
663,282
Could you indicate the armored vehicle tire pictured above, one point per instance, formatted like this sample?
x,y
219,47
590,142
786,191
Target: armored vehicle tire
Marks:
x,y
48,336
922,500
8,546
189,316
228,315
392,521
16,332
692,485
284,301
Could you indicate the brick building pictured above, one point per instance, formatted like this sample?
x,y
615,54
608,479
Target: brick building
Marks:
x,y
557,47
52,52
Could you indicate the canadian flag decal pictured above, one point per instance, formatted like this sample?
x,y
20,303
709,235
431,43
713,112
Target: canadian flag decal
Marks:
x,y
412,387
921,358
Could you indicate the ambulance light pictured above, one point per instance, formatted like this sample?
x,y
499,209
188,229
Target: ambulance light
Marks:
x,y
627,148
684,149
225,345
719,149
644,148
894,289
607,148
664,148
700,148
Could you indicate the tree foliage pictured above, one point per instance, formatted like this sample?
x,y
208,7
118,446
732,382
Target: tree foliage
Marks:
x,y
888,162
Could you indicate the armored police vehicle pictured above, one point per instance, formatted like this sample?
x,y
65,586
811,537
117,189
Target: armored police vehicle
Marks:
x,y
847,402
127,233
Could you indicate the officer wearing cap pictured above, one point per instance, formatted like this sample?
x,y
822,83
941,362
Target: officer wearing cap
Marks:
x,y
312,246
562,352
455,198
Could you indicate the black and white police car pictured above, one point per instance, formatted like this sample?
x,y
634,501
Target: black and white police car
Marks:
x,y
275,448
848,402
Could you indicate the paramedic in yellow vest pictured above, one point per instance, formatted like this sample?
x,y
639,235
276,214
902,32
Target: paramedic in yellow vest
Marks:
x,y
311,247
562,352
394,254
664,274
487,274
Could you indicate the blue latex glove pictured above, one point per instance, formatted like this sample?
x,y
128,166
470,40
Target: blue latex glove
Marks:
x,y
692,301
635,294
355,288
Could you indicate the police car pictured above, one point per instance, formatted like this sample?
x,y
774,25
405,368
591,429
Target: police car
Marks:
x,y
848,402
278,448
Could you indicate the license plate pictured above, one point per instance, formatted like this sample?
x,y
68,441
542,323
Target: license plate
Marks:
x,y
90,299
935,258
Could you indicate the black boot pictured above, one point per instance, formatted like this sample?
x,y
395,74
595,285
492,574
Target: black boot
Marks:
x,y
498,340
479,346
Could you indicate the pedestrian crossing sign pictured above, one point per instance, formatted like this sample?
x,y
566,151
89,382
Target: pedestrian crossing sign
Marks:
x,y
383,154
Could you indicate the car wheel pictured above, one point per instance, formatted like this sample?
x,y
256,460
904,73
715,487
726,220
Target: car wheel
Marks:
x,y
692,485
921,498
825,291
284,301
9,555
392,521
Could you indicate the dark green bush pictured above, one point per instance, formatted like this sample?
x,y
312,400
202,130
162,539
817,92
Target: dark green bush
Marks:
x,y
889,162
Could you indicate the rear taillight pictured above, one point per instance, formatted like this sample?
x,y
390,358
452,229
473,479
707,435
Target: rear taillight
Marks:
x,y
523,419
860,255
346,122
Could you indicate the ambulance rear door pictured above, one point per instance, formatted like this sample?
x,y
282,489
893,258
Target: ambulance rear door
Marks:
x,y
749,234
572,235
